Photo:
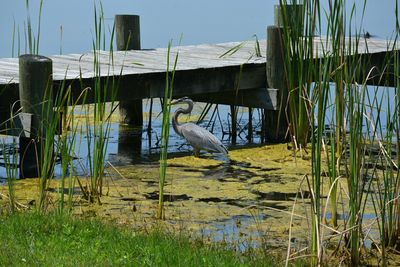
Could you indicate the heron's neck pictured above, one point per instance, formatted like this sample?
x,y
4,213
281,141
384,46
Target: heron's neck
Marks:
x,y
175,124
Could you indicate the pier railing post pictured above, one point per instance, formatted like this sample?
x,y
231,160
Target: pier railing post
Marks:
x,y
275,122
35,79
127,29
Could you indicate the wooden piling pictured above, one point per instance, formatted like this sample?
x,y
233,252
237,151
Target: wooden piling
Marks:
x,y
127,29
35,80
234,123
275,121
250,126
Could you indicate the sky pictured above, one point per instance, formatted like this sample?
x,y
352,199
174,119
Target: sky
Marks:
x,y
206,21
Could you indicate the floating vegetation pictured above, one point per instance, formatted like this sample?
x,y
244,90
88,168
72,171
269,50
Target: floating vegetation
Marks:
x,y
194,198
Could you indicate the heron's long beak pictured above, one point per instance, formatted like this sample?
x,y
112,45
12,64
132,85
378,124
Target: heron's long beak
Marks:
x,y
175,101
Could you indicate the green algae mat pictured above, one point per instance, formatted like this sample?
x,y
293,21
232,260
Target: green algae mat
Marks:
x,y
249,196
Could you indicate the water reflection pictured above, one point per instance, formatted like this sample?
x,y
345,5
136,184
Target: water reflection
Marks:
x,y
129,142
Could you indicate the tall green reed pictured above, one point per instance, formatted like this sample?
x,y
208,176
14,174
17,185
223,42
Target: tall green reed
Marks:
x,y
104,90
55,113
349,98
11,167
298,19
385,127
31,39
66,142
354,68
343,70
13,40
169,85
335,31
49,122
392,146
349,76
386,182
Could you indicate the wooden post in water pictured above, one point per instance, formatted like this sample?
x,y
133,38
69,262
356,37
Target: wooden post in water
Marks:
x,y
276,123
250,126
127,29
275,120
234,123
35,79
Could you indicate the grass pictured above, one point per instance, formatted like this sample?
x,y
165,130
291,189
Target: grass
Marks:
x,y
32,239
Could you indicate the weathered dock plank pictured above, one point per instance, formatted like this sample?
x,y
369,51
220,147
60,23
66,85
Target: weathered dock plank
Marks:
x,y
136,62
191,57
155,59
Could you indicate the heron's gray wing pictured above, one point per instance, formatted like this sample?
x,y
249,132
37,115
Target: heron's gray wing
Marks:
x,y
201,138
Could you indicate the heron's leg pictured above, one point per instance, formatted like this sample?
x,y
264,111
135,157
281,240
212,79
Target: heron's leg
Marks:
x,y
196,152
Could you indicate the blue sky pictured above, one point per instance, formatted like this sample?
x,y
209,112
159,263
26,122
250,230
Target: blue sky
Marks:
x,y
206,21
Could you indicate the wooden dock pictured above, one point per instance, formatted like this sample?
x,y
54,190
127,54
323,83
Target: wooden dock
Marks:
x,y
205,72
201,69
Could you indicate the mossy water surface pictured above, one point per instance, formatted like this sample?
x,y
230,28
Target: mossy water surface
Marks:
x,y
246,197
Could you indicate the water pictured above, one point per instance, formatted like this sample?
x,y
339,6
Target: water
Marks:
x,y
379,103
230,231
130,146
67,26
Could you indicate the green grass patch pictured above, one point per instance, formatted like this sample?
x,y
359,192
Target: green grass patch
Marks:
x,y
31,239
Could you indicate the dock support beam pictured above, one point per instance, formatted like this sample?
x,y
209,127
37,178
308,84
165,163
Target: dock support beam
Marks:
x,y
127,28
35,79
275,123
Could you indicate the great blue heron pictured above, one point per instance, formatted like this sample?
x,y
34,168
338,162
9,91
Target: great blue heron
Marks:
x,y
197,137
